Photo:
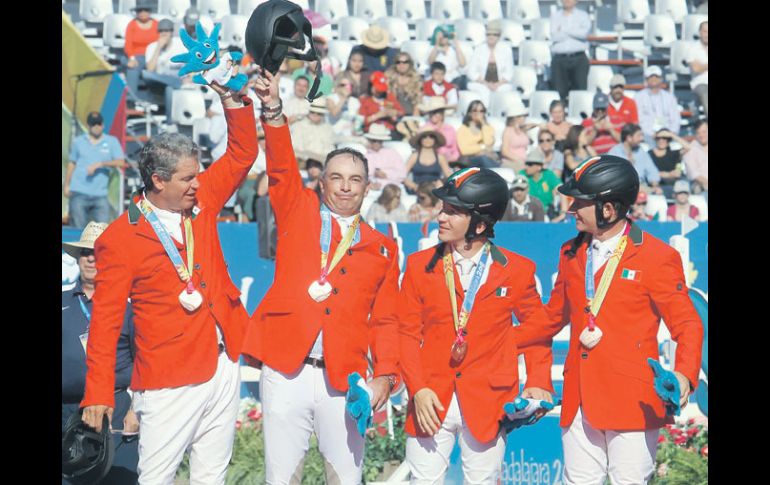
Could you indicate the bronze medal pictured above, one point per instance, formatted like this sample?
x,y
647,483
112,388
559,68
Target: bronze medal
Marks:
x,y
459,349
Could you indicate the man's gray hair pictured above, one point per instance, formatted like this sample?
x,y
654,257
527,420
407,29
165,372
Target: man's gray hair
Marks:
x,y
161,155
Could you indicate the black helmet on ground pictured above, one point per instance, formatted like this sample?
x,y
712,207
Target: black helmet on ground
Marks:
x,y
86,456
278,29
603,179
482,192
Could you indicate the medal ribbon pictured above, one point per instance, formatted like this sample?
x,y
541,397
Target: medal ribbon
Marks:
x,y
85,311
470,296
352,236
594,303
168,244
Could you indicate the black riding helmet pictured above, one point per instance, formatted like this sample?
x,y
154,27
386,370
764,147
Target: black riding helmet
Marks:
x,y
86,456
278,29
481,191
605,178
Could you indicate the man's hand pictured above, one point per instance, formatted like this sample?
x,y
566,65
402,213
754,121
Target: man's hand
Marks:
x,y
266,87
92,416
684,388
425,400
540,395
93,168
132,63
380,387
130,423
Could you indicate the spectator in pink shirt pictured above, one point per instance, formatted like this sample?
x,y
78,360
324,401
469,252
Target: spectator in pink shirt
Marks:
x,y
385,164
682,207
696,160
435,110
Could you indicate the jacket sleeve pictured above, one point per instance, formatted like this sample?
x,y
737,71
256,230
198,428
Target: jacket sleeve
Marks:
x,y
285,183
535,325
113,287
223,177
384,323
538,359
410,332
668,291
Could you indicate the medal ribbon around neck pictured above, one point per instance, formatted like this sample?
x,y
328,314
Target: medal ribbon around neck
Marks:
x,y
470,296
595,302
352,236
168,244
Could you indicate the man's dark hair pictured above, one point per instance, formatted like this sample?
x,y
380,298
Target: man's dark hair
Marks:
x,y
353,153
629,129
162,154
313,163
437,66
698,124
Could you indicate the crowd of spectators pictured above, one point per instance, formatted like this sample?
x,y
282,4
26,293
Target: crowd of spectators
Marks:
x,y
416,127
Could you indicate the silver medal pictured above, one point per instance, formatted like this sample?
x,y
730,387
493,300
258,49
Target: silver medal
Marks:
x,y
190,301
319,291
589,339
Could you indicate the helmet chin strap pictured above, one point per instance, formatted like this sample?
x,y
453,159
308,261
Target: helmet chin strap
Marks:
x,y
309,53
601,221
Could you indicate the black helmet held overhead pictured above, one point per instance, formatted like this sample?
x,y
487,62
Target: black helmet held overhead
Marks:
x,y
86,456
278,29
605,178
481,191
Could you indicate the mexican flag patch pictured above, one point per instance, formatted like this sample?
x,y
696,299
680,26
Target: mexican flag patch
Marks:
x,y
631,274
502,291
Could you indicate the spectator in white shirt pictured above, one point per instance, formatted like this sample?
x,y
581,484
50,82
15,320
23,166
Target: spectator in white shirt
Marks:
x,y
447,51
491,68
698,59
569,64
657,107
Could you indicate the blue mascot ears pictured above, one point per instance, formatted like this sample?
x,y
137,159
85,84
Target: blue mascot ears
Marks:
x,y
203,52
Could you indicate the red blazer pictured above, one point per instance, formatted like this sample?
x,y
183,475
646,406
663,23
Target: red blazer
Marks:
x,y
488,376
173,347
365,282
613,382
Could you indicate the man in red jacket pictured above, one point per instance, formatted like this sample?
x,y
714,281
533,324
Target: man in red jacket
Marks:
x,y
458,346
615,284
332,301
164,255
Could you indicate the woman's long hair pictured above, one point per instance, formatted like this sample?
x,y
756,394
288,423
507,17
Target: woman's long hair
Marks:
x,y
413,88
469,113
390,197
572,142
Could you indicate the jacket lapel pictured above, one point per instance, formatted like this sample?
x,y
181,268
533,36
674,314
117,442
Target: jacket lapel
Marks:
x,y
142,225
497,273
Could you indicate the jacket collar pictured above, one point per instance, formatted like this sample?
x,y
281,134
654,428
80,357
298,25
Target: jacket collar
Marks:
x,y
134,214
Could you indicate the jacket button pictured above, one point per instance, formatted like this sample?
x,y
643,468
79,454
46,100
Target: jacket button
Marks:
x,y
211,304
328,310
335,290
203,284
350,252
584,355
197,266
459,374
342,270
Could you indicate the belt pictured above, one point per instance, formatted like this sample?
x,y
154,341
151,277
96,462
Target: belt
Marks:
x,y
571,54
317,363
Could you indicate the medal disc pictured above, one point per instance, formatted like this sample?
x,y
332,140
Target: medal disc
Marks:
x,y
590,338
459,350
190,301
319,291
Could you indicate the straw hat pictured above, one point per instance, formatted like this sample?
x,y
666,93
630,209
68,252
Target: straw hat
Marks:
x,y
417,139
378,132
87,238
319,106
516,108
434,103
375,38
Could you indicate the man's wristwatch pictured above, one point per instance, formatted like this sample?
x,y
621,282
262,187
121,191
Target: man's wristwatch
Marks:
x,y
392,380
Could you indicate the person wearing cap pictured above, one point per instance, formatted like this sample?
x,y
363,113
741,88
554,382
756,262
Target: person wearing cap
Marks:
x,y
515,141
615,283
92,156
522,207
667,160
386,166
76,309
621,109
164,253
448,51
657,106
600,131
331,303
461,370
698,60
374,47
160,74
476,137
435,109
638,211
681,206
382,106
631,150
313,136
296,106
570,27
426,163
491,67
542,181
140,32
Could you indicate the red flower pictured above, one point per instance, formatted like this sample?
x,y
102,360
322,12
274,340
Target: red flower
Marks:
x,y
692,432
661,438
681,440
675,432
705,451
238,424
690,421
254,415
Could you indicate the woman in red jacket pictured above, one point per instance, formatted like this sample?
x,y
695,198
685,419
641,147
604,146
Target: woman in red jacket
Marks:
x,y
141,32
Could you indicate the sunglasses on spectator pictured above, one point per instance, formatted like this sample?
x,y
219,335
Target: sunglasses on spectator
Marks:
x,y
86,252
663,138
482,110
529,164
402,61
516,189
545,140
422,197
493,34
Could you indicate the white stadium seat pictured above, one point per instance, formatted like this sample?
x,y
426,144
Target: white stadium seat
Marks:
x,y
233,32
659,31
114,31
187,106
410,10
397,28
174,9
523,11
581,104
485,9
216,9
633,11
524,81
447,9
599,77
691,25
352,28
95,10
369,9
540,103
332,9
676,9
